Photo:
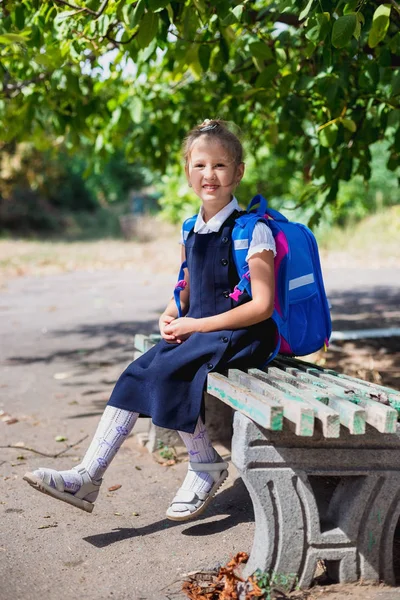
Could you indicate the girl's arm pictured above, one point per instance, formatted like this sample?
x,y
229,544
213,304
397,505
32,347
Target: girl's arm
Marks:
x,y
259,308
171,312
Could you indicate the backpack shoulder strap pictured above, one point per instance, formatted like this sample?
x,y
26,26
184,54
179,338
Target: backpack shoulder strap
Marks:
x,y
187,227
242,234
259,206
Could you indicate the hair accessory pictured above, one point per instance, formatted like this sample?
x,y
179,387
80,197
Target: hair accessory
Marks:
x,y
207,125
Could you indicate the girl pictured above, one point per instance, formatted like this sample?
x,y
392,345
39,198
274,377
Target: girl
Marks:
x,y
215,333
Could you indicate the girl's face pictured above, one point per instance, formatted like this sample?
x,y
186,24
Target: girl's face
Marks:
x,y
212,172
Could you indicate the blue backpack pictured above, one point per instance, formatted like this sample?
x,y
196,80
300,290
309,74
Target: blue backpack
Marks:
x,y
301,310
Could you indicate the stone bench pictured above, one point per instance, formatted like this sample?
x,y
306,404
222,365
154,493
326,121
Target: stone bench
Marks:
x,y
319,453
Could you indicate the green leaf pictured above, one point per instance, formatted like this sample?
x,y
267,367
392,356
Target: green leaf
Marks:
x,y
12,38
44,59
306,10
266,76
396,83
137,14
136,110
349,124
204,56
238,11
357,31
380,25
19,16
148,29
103,24
310,49
157,5
318,27
350,7
281,57
260,50
343,30
62,16
361,18
327,135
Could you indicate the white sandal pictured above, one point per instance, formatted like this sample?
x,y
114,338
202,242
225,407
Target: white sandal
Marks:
x,y
83,498
197,502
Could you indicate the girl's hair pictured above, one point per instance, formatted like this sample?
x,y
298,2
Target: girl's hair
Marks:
x,y
217,130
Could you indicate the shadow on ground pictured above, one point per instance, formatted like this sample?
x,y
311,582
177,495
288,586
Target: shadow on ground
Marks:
x,y
113,338
234,502
366,308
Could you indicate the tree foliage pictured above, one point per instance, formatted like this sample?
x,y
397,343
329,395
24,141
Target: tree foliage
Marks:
x,y
318,81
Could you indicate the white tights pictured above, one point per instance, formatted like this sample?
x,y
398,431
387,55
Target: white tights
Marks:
x,y
114,427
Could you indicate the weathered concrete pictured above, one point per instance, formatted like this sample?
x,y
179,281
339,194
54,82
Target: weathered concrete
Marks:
x,y
336,500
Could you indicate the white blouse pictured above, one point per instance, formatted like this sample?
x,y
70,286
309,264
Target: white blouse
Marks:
x,y
262,235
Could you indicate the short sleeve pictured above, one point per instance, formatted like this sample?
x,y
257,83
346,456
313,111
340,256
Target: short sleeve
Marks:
x,y
262,240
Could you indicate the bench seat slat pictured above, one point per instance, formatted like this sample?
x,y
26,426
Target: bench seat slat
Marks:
x,y
350,415
383,418
264,411
368,388
294,408
329,418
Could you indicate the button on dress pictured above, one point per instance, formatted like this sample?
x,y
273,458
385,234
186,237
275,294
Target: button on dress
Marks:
x,y
167,382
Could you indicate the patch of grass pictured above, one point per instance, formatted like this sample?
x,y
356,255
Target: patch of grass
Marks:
x,y
271,583
374,241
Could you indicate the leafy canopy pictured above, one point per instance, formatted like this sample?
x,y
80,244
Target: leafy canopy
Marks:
x,y
317,81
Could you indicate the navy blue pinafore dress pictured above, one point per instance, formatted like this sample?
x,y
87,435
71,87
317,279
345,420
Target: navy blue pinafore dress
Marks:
x,y
167,382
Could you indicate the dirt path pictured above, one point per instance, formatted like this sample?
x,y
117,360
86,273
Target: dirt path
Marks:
x,y
65,340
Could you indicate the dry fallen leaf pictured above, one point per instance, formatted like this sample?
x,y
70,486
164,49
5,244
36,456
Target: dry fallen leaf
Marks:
x,y
168,463
8,420
113,488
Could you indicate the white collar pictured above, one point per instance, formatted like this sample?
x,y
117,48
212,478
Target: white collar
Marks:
x,y
214,224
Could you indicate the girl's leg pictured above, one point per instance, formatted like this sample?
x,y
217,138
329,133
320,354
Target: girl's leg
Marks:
x,y
114,427
200,450
206,473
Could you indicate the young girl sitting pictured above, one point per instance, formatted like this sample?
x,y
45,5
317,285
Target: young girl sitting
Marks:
x,y
215,333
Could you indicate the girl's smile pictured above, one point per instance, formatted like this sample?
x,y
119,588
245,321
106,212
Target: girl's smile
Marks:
x,y
213,174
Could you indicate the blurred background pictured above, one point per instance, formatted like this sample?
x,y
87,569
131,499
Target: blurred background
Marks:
x,y
96,98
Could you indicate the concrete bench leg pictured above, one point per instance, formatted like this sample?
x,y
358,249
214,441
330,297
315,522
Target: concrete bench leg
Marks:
x,y
318,499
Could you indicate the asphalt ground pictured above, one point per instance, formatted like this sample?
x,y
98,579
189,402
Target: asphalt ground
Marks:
x,y
64,341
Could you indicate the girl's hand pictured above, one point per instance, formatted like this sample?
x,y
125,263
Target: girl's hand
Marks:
x,y
163,322
181,328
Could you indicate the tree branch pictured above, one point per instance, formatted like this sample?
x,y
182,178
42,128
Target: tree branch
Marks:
x,y
178,37
395,5
79,9
26,448
9,88
118,42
